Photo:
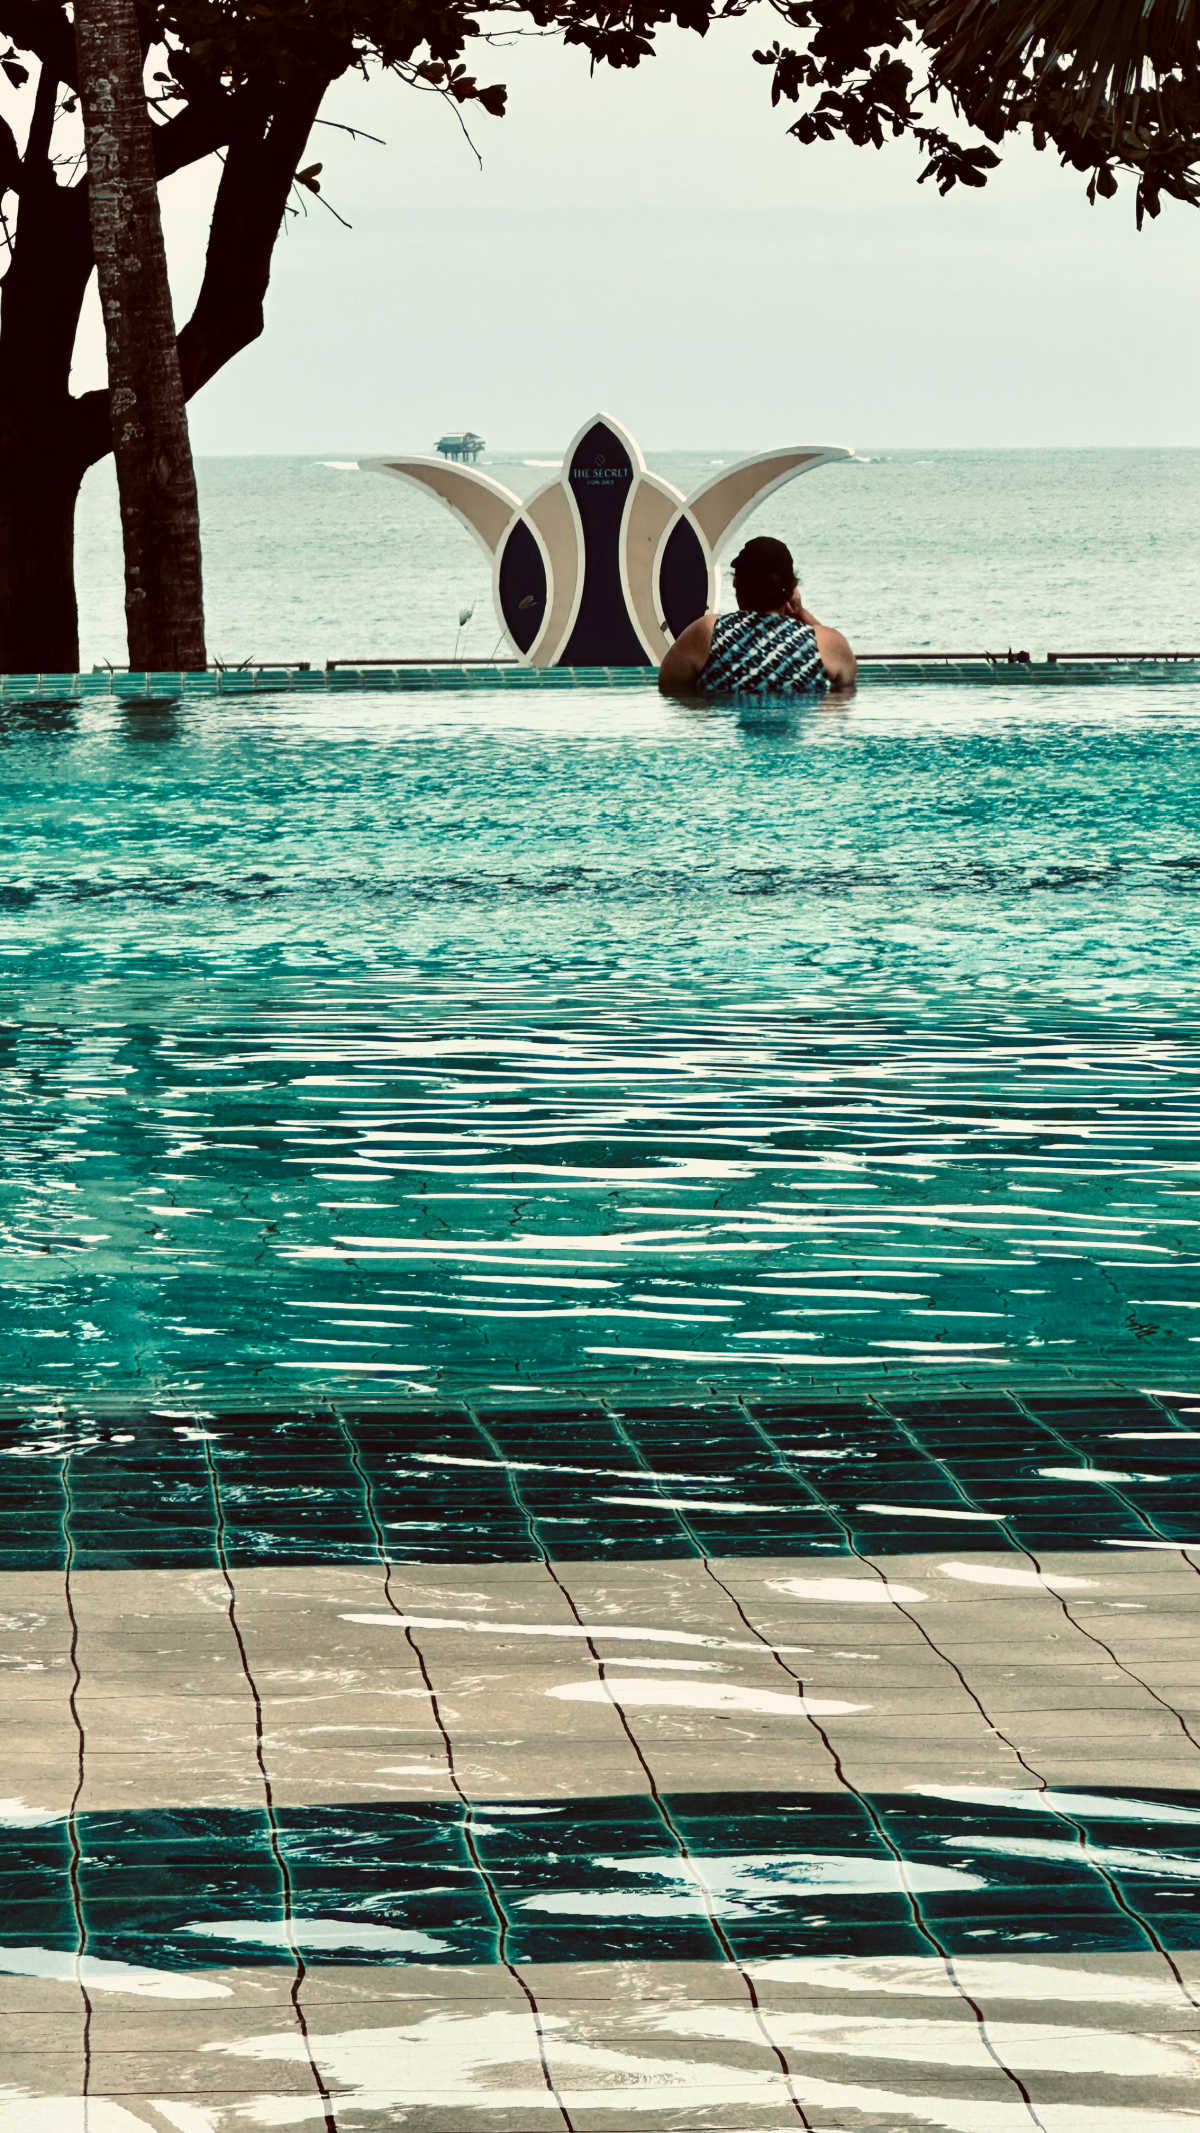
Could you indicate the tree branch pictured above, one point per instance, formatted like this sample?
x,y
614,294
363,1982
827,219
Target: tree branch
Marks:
x,y
265,152
44,286
41,127
194,133
247,216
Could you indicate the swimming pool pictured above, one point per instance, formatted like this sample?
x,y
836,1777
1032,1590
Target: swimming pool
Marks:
x,y
598,1457
379,1047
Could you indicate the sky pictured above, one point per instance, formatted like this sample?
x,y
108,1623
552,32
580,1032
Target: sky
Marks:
x,y
653,244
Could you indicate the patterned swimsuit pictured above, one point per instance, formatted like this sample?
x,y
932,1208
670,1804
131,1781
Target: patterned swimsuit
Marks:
x,y
761,655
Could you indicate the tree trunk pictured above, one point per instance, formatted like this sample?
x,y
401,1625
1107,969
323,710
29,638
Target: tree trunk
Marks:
x,y
156,480
39,623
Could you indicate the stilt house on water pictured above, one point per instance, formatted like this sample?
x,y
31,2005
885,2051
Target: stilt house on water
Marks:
x,y
462,444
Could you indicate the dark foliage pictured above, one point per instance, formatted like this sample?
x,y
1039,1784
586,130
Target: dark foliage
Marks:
x,y
1112,86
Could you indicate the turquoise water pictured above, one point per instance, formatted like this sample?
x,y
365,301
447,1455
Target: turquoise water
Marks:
x,y
953,551
375,1048
502,1194
588,1881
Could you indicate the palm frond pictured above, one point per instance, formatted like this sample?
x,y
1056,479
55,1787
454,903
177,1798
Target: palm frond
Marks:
x,y
1099,50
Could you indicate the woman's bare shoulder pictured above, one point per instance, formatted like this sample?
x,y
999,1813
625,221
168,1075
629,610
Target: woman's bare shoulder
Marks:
x,y
687,655
700,631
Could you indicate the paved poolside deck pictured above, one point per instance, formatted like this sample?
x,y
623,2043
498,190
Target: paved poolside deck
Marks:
x,y
830,1763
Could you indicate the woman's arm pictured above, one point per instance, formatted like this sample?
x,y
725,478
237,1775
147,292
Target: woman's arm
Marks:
x,y
838,660
682,667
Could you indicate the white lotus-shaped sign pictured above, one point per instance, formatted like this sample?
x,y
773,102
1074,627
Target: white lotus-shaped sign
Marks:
x,y
607,563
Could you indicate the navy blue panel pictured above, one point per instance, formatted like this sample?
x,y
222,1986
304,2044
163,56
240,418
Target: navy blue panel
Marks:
x,y
682,578
522,584
601,475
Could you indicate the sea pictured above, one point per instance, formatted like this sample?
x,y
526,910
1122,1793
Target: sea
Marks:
x,y
307,558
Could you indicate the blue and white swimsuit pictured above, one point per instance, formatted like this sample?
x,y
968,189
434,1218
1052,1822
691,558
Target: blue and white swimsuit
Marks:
x,y
761,655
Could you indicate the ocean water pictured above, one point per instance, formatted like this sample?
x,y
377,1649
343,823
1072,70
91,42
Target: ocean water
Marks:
x,y
443,1044
946,551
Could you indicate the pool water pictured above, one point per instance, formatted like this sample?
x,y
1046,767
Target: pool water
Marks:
x,y
598,1517
377,1049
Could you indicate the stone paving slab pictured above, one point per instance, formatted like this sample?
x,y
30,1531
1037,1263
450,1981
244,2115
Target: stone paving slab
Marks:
x,y
669,2047
744,1669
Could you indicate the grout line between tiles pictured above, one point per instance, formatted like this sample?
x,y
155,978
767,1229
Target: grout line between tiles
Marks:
x,y
675,1835
1144,1518
1111,1882
1030,1556
81,1926
467,1824
867,1806
273,1839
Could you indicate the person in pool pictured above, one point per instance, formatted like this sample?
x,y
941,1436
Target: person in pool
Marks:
x,y
772,646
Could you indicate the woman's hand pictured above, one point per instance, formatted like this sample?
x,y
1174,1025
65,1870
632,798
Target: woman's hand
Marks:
x,y
837,658
799,612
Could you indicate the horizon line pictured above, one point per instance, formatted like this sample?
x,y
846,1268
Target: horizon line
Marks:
x,y
322,453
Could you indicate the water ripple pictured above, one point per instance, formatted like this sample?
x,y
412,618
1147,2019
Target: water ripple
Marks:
x,y
449,1051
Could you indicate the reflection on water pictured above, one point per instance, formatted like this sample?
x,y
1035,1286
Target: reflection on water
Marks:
x,y
289,1203
804,1876
571,1041
772,1478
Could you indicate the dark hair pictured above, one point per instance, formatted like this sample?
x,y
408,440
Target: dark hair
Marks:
x,y
764,576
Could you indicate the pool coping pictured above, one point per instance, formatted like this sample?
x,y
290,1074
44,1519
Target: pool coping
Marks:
x,y
298,677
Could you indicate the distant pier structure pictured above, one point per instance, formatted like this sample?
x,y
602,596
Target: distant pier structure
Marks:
x,y
461,444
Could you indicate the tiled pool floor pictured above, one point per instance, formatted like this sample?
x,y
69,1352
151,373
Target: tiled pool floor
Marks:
x,y
832,1764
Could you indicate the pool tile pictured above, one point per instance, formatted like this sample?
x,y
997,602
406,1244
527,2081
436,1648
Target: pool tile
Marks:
x,y
612,1768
